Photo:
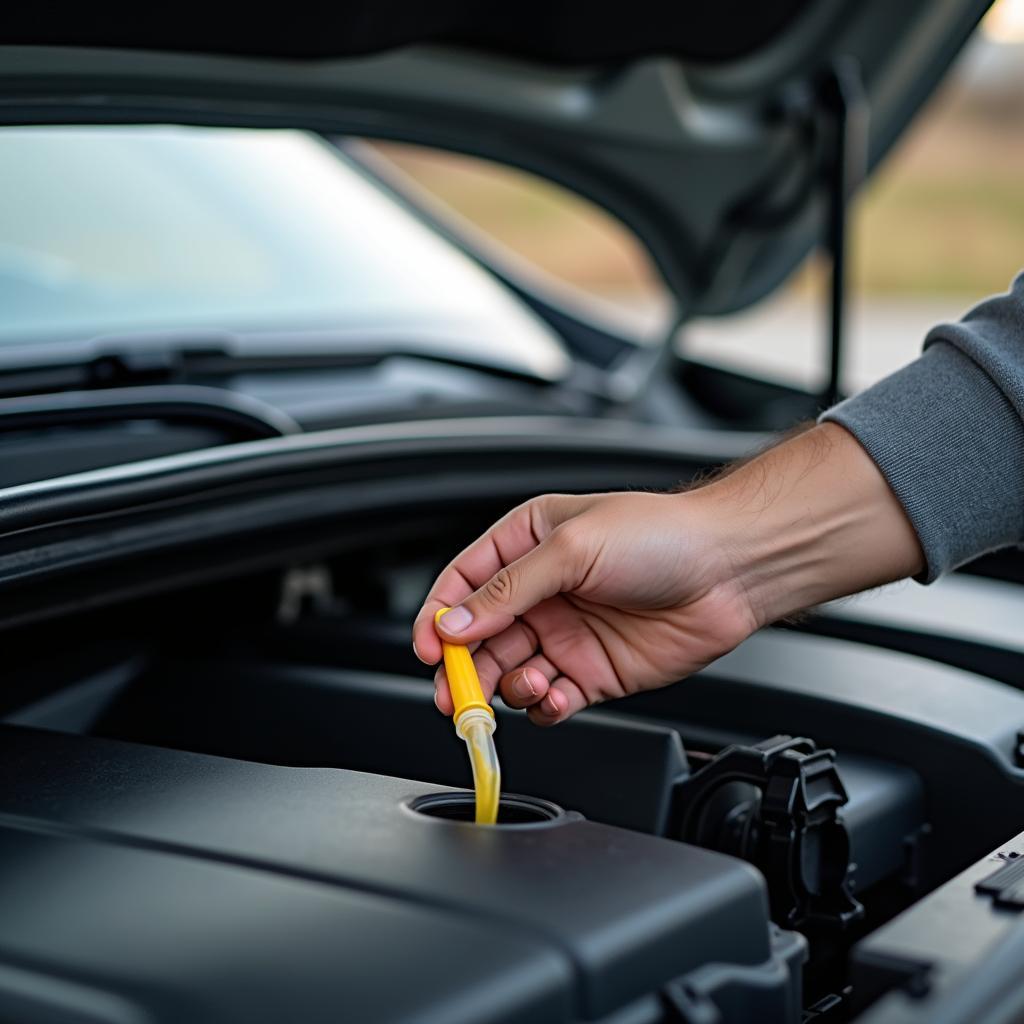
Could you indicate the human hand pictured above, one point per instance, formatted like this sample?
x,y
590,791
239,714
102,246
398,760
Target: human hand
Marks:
x,y
572,600
575,600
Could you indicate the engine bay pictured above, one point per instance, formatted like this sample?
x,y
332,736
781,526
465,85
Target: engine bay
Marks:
x,y
244,433
254,772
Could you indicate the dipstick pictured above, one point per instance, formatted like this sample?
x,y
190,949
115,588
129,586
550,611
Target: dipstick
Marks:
x,y
475,724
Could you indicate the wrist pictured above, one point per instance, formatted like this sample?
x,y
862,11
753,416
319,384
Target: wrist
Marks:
x,y
810,520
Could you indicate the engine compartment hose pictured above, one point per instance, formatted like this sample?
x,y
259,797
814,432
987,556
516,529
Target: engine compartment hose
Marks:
x,y
475,725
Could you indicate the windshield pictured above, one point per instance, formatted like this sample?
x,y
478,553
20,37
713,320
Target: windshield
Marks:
x,y
107,230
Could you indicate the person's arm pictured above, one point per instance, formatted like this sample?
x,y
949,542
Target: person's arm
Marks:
x,y
947,432
582,599
809,521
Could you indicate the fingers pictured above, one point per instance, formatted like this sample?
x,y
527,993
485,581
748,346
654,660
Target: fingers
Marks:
x,y
528,684
524,559
546,703
492,660
504,652
552,697
564,698
524,687
514,589
451,588
511,663
512,537
443,694
557,564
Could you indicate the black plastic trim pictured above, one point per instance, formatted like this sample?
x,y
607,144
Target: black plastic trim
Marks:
x,y
430,444
189,518
241,414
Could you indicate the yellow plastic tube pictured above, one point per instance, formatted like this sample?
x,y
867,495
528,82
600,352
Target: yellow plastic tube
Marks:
x,y
474,722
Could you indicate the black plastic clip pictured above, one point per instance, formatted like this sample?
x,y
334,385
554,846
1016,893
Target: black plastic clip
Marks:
x,y
777,805
1006,885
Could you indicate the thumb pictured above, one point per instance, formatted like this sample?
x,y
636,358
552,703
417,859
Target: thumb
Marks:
x,y
514,589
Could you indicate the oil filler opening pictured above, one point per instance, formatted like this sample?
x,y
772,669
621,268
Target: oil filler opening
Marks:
x,y
512,810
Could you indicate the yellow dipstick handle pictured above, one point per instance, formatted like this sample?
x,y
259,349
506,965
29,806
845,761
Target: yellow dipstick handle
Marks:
x,y
462,678
475,723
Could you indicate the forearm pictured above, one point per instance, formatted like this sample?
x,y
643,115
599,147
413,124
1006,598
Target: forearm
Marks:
x,y
947,432
810,520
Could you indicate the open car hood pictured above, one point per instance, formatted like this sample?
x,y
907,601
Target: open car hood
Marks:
x,y
704,127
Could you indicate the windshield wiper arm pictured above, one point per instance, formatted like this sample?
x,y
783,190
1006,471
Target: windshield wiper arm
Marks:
x,y
194,357
243,417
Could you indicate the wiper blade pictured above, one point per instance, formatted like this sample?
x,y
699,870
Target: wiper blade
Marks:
x,y
171,357
119,361
244,417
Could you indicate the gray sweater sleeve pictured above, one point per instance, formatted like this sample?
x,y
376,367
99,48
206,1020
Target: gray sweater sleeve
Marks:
x,y
947,431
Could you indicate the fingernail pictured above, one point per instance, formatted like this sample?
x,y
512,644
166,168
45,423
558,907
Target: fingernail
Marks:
x,y
548,705
456,620
522,687
416,651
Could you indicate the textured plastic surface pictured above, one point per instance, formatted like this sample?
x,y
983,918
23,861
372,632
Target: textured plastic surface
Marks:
x,y
954,956
615,770
956,730
620,913
609,767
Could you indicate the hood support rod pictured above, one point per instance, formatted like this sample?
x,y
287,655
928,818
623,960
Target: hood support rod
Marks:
x,y
843,102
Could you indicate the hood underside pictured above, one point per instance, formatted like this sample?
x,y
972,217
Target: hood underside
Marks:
x,y
703,127
559,33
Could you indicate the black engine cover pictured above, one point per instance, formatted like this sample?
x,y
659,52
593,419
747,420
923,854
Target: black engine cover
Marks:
x,y
169,885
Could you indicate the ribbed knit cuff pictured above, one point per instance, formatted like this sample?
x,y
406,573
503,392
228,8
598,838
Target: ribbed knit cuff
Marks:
x,y
951,447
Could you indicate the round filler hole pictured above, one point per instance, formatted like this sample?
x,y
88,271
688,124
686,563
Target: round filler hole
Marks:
x,y
513,810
